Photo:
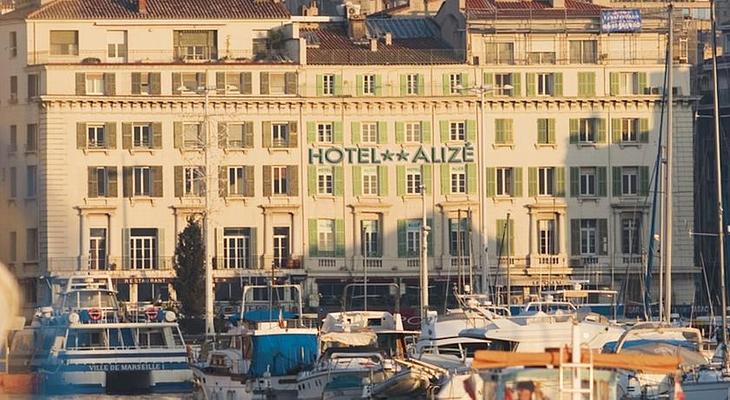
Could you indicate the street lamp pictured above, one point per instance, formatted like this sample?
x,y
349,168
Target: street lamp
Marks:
x,y
423,273
364,266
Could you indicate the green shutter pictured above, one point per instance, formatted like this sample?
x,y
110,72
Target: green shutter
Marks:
x,y
444,129
559,189
358,85
356,180
616,179
530,79
613,83
600,130
313,250
403,85
517,181
508,136
586,84
311,132
516,85
464,83
488,81
574,182
602,235
505,237
320,85
542,131
429,240
471,178
558,84
339,238
426,178
499,136
402,238
337,127
125,248
644,181
382,132
338,85
339,181
574,130
400,136
426,132
491,181
382,180
378,85
601,173
446,85
642,82
575,236
532,181
312,180
445,179
471,131
421,82
644,130
551,130
400,180
615,130
355,132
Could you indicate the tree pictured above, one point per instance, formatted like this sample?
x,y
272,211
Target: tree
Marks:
x,y
190,270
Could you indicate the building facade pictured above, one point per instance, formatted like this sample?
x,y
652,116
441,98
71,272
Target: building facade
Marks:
x,y
311,145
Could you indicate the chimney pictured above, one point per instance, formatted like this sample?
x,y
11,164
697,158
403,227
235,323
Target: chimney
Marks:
x,y
388,39
373,45
142,6
557,3
356,28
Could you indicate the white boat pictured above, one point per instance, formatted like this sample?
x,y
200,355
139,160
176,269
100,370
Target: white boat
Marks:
x,y
260,358
89,346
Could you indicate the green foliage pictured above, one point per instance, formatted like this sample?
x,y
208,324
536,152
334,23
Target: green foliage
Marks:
x,y
189,282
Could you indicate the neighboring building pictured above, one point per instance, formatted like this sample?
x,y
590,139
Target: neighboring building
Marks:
x,y
323,133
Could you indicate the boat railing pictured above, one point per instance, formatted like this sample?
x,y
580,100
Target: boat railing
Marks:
x,y
124,347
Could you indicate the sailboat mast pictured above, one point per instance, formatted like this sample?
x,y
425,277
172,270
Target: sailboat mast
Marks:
x,y
718,173
667,209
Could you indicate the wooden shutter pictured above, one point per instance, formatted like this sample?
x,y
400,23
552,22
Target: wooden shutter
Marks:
x,y
358,85
644,181
382,132
125,248
355,132
320,85
446,84
445,179
600,130
177,134
178,181
249,189
575,236
471,131
136,79
156,130
127,181
382,180
499,132
471,178
602,236
126,135
337,128
111,174
402,233
155,84
542,131
616,179
156,173
80,83
292,172
489,81
220,82
248,134
644,130
574,181
601,173
293,135
613,87
222,181
356,180
508,133
338,85
400,132
266,134
110,84
93,190
426,132
444,129
642,82
312,180
559,182
290,83
615,130
339,238
339,181
81,135
574,130
264,83
223,135
400,180
516,85
246,86
517,182
311,132
558,84
421,84
176,82
551,130
378,85
312,228
532,181
426,178
491,181
530,79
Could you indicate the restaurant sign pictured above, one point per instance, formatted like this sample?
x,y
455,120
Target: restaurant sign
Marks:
x,y
372,155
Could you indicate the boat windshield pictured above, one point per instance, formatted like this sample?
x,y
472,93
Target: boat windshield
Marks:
x,y
165,337
86,299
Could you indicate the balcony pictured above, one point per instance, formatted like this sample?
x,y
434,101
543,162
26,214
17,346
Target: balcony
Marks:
x,y
111,265
170,55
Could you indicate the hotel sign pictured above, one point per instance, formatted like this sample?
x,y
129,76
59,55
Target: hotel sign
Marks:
x,y
621,21
372,155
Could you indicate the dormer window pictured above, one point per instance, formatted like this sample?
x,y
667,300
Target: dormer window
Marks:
x,y
195,45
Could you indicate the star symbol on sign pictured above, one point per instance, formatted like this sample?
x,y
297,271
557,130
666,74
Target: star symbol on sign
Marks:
x,y
403,155
387,155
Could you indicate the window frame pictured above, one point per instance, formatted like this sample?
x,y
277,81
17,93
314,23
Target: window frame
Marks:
x,y
193,181
328,84
326,236
457,131
504,182
236,186
325,132
587,131
370,181
325,181
588,237
411,131
458,179
629,181
141,181
414,180
71,49
368,84
139,133
279,180
370,230
280,134
546,181
412,84
588,182
500,81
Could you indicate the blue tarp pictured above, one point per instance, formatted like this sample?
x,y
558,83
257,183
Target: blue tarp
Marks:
x,y
266,315
282,353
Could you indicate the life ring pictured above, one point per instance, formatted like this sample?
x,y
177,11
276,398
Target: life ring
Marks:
x,y
151,313
95,314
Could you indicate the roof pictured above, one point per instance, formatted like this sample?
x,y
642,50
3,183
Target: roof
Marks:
x,y
415,42
476,9
156,9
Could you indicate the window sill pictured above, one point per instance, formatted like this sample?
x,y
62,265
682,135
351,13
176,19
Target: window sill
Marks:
x,y
242,150
12,153
454,143
141,199
503,199
328,197
31,152
594,199
12,202
29,200
28,263
141,150
623,145
546,146
457,197
412,196
99,150
284,150
587,145
98,201
236,199
182,150
503,145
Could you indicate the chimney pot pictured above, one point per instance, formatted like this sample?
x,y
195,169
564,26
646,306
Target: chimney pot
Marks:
x,y
388,39
142,6
373,44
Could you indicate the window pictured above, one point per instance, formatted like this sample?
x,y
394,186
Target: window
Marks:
x,y
280,180
97,248
455,84
31,244
546,236
13,243
195,45
501,82
95,84
32,86
278,83
280,134
141,181
236,247
587,130
368,84
412,84
64,43
191,81
629,130
325,181
500,53
630,238
233,82
142,248
369,133
413,237
370,238
236,183
13,182
413,132
261,46
31,180
583,51
628,83
31,138
629,181
545,179
413,180
504,182
141,136
13,45
459,237
545,84
13,89
193,181
325,133
370,181
235,135
458,179
588,237
326,235
102,181
328,84
192,138
541,57
144,83
13,146
545,131
116,45
96,138
587,181
457,131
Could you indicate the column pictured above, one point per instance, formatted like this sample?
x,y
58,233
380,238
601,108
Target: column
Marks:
x,y
83,241
533,233
562,232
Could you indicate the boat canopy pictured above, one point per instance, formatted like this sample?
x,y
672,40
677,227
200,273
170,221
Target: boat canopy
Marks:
x,y
362,338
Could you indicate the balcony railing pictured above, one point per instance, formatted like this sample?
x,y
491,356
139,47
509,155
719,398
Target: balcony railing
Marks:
x,y
169,55
110,264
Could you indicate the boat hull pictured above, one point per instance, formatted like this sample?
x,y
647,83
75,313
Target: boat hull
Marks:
x,y
215,386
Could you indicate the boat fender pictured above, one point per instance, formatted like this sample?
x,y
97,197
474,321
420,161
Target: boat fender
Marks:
x,y
95,314
170,316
